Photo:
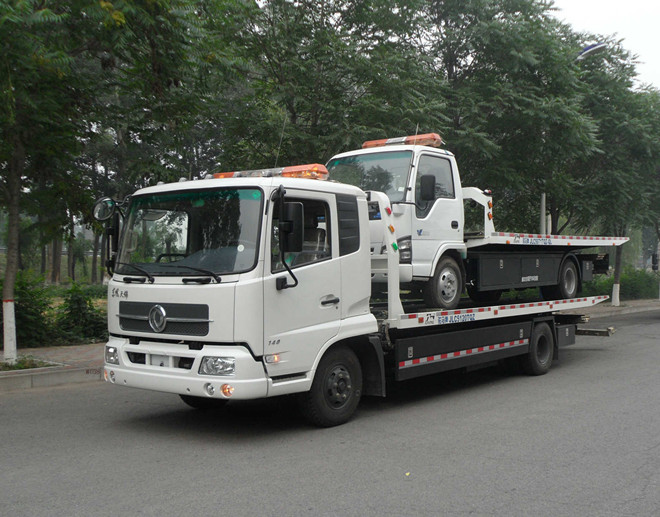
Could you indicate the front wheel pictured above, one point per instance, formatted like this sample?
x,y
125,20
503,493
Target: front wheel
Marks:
x,y
444,289
336,389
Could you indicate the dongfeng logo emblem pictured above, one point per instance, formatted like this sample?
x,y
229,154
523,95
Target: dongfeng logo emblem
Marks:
x,y
157,318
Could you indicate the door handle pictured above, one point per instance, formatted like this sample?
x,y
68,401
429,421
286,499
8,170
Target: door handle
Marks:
x,y
454,225
331,301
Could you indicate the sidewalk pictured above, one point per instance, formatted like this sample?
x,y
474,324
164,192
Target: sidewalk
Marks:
x,y
84,363
70,364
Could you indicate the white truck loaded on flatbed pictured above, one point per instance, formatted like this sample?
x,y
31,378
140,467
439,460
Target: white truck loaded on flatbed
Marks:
x,y
258,284
438,256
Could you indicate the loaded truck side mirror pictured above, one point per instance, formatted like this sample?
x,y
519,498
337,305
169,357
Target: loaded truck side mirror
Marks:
x,y
427,187
291,227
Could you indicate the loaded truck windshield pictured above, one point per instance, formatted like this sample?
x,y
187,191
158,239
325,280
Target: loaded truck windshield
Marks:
x,y
385,172
191,232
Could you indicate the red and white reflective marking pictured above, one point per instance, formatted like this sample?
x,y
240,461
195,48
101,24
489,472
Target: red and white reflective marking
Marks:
x,y
424,319
438,358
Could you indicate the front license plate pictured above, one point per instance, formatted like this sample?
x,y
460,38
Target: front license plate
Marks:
x,y
160,360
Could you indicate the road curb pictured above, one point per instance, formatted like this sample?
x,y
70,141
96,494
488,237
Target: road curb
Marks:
x,y
47,377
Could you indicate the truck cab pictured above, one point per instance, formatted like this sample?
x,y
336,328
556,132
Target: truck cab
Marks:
x,y
235,286
423,185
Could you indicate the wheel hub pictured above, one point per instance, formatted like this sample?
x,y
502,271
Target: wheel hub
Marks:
x,y
448,285
338,387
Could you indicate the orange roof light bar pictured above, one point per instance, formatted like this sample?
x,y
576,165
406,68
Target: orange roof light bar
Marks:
x,y
314,171
430,139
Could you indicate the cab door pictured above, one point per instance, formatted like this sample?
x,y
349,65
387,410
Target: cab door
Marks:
x,y
299,320
439,221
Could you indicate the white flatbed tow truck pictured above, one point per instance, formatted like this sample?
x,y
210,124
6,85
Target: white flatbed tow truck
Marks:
x,y
257,284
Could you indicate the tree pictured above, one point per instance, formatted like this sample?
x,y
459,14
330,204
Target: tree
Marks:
x,y
514,102
323,74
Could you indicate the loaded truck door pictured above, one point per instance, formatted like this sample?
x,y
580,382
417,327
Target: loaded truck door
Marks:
x,y
299,320
439,219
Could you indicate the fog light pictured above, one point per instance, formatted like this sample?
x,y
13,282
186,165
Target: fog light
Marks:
x,y
111,355
210,390
112,376
217,366
227,390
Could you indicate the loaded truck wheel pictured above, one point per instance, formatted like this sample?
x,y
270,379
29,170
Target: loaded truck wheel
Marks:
x,y
203,402
541,350
444,289
568,283
336,389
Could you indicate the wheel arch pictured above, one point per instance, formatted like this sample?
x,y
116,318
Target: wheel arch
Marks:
x,y
369,352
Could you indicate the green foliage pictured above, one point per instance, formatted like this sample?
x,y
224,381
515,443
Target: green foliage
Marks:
x,y
38,324
635,284
34,321
78,319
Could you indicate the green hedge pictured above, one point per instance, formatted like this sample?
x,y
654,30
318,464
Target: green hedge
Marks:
x,y
635,284
39,323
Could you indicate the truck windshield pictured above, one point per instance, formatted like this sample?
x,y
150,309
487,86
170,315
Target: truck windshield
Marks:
x,y
385,172
190,232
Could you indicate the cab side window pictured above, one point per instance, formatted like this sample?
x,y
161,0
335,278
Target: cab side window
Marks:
x,y
440,169
316,236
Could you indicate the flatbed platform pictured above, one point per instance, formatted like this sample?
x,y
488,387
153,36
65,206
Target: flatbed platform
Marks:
x,y
439,317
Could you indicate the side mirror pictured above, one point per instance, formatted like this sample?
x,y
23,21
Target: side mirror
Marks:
x,y
104,209
291,227
427,187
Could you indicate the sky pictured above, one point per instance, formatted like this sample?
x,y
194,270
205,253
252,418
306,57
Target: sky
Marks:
x,y
637,22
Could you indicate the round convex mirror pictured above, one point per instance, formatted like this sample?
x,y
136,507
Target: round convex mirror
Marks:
x,y
104,208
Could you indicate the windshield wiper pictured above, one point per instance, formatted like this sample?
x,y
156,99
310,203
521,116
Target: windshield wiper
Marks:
x,y
215,276
139,270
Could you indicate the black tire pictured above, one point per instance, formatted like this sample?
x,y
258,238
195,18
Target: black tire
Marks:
x,y
569,282
336,389
444,289
203,402
486,297
541,351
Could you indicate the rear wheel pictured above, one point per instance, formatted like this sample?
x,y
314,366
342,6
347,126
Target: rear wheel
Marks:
x,y
541,350
567,287
203,402
336,389
444,289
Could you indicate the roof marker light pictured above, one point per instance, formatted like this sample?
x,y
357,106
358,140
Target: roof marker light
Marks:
x,y
430,139
314,171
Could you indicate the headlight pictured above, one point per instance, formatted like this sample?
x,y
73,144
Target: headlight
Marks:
x,y
111,355
217,366
405,250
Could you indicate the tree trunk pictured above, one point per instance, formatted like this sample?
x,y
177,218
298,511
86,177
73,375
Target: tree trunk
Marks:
x,y
617,277
44,260
95,254
104,247
70,261
14,173
57,262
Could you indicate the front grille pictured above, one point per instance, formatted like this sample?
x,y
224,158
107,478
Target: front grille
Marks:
x,y
182,319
